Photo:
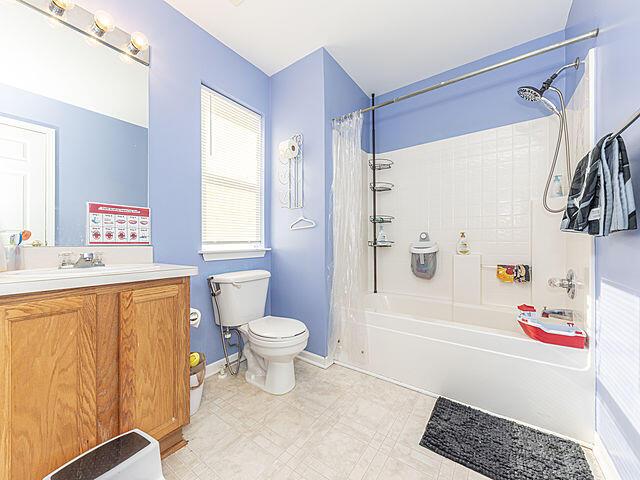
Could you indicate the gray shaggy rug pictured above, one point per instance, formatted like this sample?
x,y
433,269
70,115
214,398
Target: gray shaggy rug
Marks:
x,y
501,449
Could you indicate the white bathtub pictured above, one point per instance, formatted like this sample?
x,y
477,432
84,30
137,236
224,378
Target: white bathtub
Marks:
x,y
475,355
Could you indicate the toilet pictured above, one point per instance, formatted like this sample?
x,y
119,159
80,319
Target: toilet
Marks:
x,y
270,343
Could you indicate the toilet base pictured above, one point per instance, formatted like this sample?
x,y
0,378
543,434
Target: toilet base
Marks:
x,y
279,378
275,373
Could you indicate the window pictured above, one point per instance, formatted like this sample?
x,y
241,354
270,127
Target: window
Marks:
x,y
232,177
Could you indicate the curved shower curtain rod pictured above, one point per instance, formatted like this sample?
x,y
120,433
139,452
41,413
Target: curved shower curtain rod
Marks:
x,y
555,46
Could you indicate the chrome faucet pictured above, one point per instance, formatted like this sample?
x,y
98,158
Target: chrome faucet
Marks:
x,y
85,260
568,283
560,313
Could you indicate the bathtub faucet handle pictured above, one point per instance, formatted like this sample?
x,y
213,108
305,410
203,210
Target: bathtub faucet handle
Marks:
x,y
568,283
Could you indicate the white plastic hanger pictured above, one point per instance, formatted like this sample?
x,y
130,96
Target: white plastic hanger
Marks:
x,y
309,223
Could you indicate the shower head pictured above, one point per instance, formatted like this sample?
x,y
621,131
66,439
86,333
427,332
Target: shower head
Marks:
x,y
531,94
550,105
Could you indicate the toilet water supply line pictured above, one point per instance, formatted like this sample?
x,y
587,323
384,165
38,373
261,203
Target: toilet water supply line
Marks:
x,y
226,334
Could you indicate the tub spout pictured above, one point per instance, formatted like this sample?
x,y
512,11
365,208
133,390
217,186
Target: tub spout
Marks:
x,y
561,313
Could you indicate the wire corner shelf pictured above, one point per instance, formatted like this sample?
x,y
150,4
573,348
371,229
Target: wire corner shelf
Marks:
x,y
380,164
381,186
381,218
384,244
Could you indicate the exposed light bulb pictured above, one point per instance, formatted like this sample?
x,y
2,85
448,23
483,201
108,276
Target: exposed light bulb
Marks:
x,y
59,7
103,22
139,43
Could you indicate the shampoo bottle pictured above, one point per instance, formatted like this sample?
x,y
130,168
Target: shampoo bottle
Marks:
x,y
462,248
556,187
382,236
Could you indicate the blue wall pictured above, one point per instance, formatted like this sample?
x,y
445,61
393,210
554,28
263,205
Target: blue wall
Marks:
x,y
480,103
617,256
298,288
98,158
184,56
304,98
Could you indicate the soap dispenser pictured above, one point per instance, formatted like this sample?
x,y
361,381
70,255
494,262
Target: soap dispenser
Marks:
x,y
462,248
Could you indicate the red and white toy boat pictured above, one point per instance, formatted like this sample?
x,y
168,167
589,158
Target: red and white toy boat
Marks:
x,y
563,334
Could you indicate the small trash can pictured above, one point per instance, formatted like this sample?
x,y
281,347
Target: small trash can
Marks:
x,y
198,370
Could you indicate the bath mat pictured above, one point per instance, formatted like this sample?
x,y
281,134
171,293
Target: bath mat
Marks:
x,y
501,449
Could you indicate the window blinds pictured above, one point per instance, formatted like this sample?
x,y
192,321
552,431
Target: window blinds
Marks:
x,y
232,165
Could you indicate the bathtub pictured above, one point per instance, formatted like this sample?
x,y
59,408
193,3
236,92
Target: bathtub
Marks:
x,y
476,355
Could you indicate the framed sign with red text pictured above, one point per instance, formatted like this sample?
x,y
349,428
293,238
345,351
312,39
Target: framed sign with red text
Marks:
x,y
118,224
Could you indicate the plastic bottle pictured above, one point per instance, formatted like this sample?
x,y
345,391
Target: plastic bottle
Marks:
x,y
462,248
382,236
556,187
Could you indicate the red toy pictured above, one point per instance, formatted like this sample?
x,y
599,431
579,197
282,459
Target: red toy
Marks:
x,y
563,334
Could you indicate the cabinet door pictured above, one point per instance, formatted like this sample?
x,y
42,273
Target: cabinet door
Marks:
x,y
47,384
154,350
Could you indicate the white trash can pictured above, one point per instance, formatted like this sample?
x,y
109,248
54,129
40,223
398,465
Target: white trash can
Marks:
x,y
196,383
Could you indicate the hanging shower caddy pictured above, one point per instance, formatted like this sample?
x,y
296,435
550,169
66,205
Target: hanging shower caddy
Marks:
x,y
424,257
376,186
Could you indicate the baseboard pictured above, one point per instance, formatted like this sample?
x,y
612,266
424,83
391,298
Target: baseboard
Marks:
x,y
604,460
316,360
215,367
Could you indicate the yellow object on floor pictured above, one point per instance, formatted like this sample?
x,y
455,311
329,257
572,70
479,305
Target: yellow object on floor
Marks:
x,y
194,359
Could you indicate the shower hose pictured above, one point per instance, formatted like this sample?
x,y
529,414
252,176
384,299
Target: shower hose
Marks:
x,y
565,129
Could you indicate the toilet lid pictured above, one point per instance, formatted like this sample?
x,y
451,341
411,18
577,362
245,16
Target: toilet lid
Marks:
x,y
276,327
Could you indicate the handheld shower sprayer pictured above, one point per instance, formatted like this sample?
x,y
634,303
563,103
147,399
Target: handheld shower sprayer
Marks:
x,y
533,94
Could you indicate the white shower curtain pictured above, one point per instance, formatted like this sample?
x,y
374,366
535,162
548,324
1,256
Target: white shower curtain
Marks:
x,y
347,339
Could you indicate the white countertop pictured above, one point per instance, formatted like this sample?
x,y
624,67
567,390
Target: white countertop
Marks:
x,y
48,279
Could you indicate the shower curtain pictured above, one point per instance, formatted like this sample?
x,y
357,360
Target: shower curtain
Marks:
x,y
347,336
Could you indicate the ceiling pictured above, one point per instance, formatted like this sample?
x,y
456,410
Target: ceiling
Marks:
x,y
382,44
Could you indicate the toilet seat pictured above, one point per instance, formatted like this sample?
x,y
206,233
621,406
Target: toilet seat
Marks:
x,y
276,329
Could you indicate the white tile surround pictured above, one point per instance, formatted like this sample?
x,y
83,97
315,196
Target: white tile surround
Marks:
x,y
489,184
336,424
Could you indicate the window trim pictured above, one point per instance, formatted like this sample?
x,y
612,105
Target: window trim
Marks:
x,y
231,251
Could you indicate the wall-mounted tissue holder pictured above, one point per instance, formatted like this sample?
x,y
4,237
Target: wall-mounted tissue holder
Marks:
x,y
291,172
194,317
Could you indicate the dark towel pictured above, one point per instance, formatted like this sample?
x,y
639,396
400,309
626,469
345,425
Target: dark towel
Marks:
x,y
584,195
586,210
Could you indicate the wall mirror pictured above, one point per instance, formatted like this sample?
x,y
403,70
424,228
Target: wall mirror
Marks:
x,y
73,127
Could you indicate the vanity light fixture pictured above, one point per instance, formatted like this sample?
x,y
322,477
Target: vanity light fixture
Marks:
x,y
102,23
99,27
59,7
139,43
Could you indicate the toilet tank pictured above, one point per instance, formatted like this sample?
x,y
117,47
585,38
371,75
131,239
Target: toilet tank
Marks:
x,y
242,296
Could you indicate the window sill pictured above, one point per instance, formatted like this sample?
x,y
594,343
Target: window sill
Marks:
x,y
232,253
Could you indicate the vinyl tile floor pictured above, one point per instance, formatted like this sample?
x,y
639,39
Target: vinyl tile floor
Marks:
x,y
337,424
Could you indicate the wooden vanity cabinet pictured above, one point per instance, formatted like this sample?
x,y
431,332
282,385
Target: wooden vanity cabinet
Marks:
x,y
81,366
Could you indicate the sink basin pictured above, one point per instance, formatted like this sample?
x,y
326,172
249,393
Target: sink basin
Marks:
x,y
48,279
45,273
